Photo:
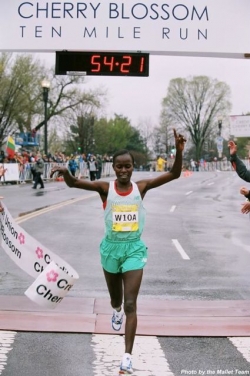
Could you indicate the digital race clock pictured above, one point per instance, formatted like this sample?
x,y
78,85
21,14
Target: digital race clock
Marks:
x,y
103,63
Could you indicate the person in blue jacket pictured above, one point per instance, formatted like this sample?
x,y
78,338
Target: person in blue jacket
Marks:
x,y
72,165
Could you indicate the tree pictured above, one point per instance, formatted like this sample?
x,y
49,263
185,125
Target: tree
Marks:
x,y
118,133
81,136
55,141
163,136
66,99
112,135
17,80
147,131
21,104
194,105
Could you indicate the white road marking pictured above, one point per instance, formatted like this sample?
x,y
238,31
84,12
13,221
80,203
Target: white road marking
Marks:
x,y
148,357
6,340
239,243
188,193
52,207
172,208
180,249
243,346
211,183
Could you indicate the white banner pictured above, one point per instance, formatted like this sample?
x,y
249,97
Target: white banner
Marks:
x,y
10,172
53,276
203,28
240,125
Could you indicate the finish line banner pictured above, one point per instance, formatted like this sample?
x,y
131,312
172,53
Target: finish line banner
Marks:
x,y
53,276
218,28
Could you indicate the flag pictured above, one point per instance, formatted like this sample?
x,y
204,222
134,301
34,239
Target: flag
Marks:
x,y
10,148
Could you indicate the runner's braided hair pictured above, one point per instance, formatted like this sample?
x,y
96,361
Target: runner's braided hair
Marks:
x,y
123,152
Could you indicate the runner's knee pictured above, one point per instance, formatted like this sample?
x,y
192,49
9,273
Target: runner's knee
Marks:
x,y
129,307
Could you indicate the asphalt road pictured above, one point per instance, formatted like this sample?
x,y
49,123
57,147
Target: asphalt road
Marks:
x,y
208,260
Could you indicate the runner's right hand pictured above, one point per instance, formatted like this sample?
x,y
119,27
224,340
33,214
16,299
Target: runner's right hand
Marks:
x,y
60,170
244,191
1,208
232,147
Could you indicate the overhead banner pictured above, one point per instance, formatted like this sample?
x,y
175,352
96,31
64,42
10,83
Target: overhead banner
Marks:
x,y
54,277
240,125
203,28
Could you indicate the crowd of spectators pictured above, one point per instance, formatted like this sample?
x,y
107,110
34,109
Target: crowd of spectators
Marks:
x,y
27,156
91,164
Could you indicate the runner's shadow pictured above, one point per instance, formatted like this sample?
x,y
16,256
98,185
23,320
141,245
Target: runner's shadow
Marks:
x,y
40,193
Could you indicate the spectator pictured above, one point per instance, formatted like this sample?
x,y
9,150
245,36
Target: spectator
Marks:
x,y
160,164
242,172
193,164
2,156
237,164
38,170
92,166
72,165
99,167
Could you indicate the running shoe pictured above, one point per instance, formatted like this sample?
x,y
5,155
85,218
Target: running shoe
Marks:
x,y
117,319
126,365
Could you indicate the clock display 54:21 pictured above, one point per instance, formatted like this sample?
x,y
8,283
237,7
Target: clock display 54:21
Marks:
x,y
103,64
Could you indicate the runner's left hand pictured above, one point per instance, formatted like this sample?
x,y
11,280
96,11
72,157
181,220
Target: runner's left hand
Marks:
x,y
179,141
245,208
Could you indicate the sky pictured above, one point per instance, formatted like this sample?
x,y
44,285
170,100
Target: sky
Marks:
x,y
139,98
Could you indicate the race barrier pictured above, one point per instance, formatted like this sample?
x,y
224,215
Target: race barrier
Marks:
x,y
54,277
22,173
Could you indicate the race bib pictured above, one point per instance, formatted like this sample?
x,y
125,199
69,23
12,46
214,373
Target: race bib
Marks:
x,y
125,218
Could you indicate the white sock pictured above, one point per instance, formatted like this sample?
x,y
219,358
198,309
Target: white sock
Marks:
x,y
119,309
127,355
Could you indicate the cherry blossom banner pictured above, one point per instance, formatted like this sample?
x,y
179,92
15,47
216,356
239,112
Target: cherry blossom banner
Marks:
x,y
218,28
53,276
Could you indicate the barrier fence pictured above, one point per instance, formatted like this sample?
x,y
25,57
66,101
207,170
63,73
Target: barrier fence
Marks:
x,y
22,173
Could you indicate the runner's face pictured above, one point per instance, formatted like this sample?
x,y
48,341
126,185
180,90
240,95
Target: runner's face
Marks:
x,y
123,167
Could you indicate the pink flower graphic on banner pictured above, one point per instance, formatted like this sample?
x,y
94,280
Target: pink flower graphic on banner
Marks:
x,y
52,276
39,252
21,238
